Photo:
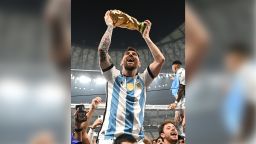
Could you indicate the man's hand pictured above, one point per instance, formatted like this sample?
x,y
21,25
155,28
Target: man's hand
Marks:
x,y
108,20
95,102
145,34
172,78
96,123
172,106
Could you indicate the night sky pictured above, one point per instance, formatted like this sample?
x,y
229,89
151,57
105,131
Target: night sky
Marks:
x,y
88,25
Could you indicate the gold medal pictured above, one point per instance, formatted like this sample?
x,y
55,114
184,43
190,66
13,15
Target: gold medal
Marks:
x,y
130,86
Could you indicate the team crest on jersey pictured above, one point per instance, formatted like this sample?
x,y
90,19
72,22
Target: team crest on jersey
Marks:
x,y
130,86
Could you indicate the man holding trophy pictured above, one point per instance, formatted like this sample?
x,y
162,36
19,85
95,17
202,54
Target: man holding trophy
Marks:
x,y
126,89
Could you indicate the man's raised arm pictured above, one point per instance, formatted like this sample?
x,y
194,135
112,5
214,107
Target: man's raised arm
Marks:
x,y
104,58
159,59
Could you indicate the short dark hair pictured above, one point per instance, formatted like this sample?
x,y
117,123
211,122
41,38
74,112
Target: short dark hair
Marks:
x,y
161,128
239,48
159,138
132,49
181,137
125,138
176,62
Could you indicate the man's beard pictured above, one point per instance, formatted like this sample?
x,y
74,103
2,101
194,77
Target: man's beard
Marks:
x,y
129,68
173,141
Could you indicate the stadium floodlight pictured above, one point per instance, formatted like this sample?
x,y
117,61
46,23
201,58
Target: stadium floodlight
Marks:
x,y
13,89
100,80
52,94
72,77
84,79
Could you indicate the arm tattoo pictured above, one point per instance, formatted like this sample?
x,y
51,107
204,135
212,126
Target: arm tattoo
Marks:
x,y
104,44
181,92
103,55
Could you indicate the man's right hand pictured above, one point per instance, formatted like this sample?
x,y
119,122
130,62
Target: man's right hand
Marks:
x,y
104,58
95,102
108,20
172,78
96,123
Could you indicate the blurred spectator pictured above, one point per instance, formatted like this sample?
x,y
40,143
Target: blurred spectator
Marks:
x,y
178,91
181,139
206,98
196,41
97,122
125,139
57,18
159,140
80,132
178,84
237,55
168,132
154,141
32,69
43,138
238,111
147,140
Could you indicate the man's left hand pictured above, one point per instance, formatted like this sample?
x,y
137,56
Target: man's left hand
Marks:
x,y
147,29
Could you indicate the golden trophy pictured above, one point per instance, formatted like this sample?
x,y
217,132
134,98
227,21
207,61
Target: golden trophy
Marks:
x,y
123,20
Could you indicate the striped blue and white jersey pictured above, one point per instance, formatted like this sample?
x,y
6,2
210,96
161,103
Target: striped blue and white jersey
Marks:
x,y
125,103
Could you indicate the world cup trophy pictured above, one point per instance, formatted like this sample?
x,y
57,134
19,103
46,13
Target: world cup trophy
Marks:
x,y
123,20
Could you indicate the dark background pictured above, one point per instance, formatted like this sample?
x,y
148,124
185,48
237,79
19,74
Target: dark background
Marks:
x,y
88,23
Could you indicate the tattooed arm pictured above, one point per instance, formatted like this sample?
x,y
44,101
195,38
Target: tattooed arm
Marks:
x,y
104,57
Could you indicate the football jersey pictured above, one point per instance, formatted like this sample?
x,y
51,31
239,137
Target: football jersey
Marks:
x,y
125,104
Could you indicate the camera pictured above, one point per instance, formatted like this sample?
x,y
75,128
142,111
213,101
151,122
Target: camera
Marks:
x,y
81,113
100,117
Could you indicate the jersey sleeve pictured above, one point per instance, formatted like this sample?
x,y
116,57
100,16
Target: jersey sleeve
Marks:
x,y
182,76
147,76
110,73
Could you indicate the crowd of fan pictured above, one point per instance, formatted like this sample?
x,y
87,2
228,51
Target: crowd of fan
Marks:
x,y
83,133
